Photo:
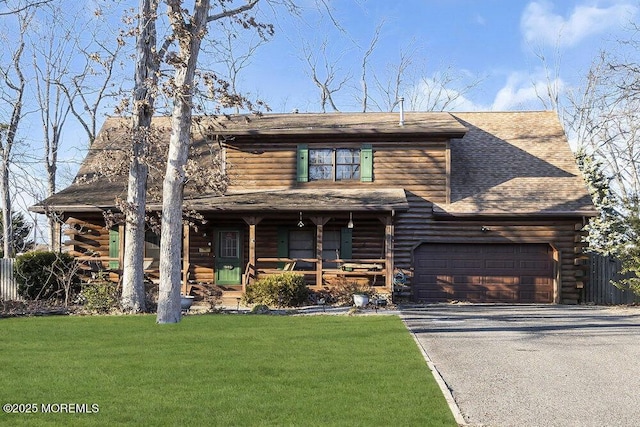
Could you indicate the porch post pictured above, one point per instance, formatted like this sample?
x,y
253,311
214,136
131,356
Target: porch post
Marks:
x,y
121,242
319,233
319,222
252,257
388,252
185,257
252,221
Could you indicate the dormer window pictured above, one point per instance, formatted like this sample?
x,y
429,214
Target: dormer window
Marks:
x,y
335,164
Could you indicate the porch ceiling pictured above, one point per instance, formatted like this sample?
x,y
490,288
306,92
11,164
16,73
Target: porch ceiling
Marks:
x,y
380,200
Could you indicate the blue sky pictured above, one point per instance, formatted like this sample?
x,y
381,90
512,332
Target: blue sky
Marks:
x,y
493,40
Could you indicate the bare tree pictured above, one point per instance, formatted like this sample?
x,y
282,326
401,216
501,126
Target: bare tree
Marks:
x,y
234,53
189,30
425,90
13,95
88,89
51,57
389,87
145,86
72,69
605,117
550,97
13,9
441,91
365,64
325,72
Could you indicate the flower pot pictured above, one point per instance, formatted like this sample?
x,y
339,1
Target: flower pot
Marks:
x,y
186,301
360,300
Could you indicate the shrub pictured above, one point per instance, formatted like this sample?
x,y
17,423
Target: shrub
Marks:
x,y
284,290
151,292
46,275
341,290
100,297
260,309
322,296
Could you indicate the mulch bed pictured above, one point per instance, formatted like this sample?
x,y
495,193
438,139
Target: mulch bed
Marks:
x,y
32,308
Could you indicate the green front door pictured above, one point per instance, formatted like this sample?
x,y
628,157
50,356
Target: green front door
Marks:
x,y
228,257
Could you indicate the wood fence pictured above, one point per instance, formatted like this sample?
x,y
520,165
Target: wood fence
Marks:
x,y
599,289
8,285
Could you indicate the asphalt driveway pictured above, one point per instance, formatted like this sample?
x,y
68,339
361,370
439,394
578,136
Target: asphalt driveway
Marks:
x,y
535,365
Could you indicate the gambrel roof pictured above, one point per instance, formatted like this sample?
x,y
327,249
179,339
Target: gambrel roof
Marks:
x,y
502,163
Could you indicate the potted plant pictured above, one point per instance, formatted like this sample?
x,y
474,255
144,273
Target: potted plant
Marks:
x,y
186,301
360,299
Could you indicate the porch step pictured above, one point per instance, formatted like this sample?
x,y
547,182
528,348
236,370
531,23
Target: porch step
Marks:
x,y
232,299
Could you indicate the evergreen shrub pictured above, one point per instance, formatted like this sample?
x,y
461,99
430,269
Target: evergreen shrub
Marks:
x,y
280,290
42,275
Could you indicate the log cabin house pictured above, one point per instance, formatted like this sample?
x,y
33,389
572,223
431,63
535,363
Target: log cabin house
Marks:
x,y
479,207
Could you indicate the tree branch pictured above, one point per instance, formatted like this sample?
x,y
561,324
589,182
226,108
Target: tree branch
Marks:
x,y
25,7
232,12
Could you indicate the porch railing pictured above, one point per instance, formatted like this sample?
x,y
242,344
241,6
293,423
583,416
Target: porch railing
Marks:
x,y
370,268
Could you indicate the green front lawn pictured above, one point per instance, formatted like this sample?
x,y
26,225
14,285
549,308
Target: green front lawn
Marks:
x,y
221,370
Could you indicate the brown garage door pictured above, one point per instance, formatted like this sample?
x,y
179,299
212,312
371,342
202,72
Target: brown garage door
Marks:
x,y
483,273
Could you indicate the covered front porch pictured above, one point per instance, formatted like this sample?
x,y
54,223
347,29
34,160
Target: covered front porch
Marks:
x,y
232,254
325,235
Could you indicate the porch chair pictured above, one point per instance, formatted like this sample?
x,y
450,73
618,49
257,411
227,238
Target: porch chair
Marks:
x,y
290,266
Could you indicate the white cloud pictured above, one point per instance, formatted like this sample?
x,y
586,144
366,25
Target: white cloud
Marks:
x,y
539,22
437,93
524,91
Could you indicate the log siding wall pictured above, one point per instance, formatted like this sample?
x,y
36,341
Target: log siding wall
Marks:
x,y
421,168
86,235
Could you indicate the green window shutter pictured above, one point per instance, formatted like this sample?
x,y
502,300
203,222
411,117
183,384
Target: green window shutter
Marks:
x,y
283,244
366,163
346,243
303,163
114,247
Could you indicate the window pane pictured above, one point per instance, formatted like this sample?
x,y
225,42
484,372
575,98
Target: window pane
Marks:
x,y
302,245
152,248
347,172
319,172
331,247
347,164
319,157
229,244
320,164
348,156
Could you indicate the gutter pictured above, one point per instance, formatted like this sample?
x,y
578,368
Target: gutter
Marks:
x,y
502,214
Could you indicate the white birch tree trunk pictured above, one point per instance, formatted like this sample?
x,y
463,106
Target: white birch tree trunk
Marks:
x,y
189,36
7,237
146,81
133,293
